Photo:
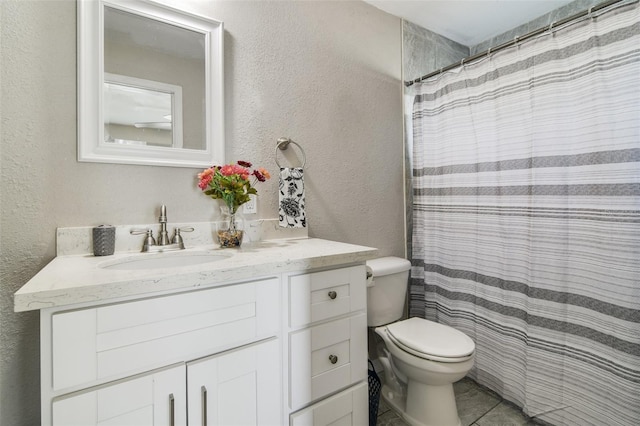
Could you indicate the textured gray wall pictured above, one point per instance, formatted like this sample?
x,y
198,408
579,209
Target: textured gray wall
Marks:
x,y
326,74
425,51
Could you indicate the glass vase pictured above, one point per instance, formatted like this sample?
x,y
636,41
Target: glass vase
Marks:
x,y
230,227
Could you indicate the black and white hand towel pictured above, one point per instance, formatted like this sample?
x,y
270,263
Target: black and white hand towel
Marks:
x,y
291,210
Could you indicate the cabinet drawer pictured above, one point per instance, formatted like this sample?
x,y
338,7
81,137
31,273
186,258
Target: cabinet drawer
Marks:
x,y
348,408
324,295
326,358
132,337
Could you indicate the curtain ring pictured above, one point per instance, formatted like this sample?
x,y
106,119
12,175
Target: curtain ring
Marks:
x,y
516,42
489,53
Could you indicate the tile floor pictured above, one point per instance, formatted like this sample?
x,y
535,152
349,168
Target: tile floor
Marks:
x,y
477,406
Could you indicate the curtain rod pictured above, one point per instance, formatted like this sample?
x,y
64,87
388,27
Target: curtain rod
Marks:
x,y
516,40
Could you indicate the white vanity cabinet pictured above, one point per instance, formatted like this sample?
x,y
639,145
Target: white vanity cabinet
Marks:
x,y
327,347
274,335
143,362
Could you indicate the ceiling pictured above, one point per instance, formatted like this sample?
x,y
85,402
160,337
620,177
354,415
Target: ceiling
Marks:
x,y
469,22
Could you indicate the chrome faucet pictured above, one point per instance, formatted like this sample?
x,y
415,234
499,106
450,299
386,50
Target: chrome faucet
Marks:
x,y
163,237
163,243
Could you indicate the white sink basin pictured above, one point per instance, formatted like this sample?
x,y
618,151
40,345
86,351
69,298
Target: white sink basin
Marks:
x,y
161,261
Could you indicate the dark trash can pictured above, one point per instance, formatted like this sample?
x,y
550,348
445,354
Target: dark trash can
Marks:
x,y
375,385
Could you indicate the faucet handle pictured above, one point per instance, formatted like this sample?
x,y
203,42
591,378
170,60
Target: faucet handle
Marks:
x,y
134,231
177,238
148,241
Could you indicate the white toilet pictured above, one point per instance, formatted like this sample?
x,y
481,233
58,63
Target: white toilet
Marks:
x,y
422,359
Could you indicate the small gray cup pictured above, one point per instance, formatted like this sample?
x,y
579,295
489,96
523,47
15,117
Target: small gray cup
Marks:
x,y
104,240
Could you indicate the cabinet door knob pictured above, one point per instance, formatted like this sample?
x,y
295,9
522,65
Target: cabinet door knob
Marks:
x,y
333,359
332,295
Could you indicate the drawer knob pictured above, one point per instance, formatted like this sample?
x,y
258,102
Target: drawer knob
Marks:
x,y
332,295
333,359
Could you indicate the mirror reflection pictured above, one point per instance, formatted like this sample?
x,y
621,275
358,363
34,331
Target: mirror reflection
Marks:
x,y
160,69
142,112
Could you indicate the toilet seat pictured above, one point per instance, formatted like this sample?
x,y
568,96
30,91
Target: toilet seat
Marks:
x,y
430,340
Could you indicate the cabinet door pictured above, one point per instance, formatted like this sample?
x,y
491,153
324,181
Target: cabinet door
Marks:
x,y
239,387
153,399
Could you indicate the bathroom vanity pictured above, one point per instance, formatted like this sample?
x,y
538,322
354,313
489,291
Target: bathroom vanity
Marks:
x,y
268,334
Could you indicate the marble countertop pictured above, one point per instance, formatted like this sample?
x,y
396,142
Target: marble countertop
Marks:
x,y
73,279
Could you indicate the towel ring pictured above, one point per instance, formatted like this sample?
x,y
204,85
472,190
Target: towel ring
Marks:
x,y
283,143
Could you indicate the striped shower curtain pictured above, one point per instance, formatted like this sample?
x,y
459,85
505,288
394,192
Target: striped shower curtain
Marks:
x,y
526,217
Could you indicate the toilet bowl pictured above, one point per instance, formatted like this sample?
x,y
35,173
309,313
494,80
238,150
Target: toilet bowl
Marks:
x,y
430,369
422,359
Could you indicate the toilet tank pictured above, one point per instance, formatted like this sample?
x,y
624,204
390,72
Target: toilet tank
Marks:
x,y
386,289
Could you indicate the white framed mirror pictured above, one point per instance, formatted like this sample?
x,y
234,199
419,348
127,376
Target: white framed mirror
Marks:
x,y
150,85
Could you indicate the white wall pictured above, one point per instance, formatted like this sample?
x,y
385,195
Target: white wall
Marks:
x,y
326,74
